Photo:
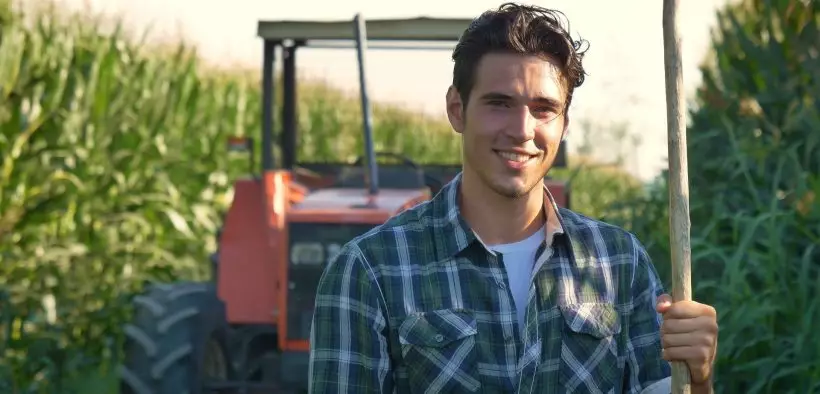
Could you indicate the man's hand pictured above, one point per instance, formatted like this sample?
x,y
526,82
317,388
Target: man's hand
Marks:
x,y
689,334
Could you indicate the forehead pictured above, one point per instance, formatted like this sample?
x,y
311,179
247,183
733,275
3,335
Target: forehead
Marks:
x,y
524,76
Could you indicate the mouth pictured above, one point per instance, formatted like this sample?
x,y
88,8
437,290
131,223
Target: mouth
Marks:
x,y
515,160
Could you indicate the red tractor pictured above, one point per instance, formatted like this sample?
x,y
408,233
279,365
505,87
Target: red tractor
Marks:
x,y
247,329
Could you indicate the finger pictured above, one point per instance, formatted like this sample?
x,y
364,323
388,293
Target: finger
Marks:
x,y
682,326
697,359
663,303
698,339
694,355
688,310
698,369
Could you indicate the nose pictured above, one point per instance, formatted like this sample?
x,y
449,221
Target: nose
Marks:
x,y
522,124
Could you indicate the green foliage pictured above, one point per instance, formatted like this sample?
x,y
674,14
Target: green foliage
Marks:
x,y
330,129
756,152
103,186
754,170
646,214
599,186
114,172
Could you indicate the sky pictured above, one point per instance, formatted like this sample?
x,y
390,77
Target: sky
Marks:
x,y
624,61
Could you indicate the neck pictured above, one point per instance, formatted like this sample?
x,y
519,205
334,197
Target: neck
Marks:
x,y
498,219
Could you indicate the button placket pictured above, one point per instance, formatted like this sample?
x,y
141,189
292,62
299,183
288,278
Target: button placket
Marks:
x,y
500,281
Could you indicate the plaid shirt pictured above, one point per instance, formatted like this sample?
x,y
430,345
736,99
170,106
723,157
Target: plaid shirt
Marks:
x,y
420,305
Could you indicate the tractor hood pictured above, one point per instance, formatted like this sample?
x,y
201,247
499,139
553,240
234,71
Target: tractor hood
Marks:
x,y
354,205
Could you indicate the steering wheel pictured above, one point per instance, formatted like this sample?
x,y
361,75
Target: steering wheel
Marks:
x,y
432,182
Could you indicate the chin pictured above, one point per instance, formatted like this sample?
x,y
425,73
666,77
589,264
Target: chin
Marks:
x,y
512,188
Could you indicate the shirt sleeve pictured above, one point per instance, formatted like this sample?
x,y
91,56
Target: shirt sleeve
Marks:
x,y
646,370
348,345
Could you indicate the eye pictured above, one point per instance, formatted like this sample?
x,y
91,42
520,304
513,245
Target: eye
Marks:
x,y
496,103
543,111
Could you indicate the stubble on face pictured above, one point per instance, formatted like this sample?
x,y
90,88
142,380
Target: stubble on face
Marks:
x,y
513,123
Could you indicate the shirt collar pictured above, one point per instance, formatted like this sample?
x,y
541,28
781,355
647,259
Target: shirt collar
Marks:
x,y
454,234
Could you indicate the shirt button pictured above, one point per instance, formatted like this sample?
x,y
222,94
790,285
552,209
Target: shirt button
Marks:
x,y
439,337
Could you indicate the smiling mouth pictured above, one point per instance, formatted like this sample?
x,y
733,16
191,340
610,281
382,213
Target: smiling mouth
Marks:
x,y
516,161
515,157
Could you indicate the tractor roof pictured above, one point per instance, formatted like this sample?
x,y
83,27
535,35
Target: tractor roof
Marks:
x,y
413,29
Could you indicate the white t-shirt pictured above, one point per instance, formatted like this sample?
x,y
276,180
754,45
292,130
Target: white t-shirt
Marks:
x,y
519,258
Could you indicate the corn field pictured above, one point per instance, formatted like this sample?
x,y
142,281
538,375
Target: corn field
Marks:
x,y
754,157
114,172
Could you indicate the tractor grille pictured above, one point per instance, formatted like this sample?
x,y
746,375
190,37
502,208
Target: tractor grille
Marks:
x,y
312,245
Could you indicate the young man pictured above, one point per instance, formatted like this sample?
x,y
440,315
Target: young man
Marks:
x,y
490,287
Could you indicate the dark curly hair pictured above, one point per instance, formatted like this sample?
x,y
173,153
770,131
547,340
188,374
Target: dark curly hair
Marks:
x,y
515,28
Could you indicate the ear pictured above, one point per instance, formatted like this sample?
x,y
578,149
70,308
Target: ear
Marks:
x,y
455,109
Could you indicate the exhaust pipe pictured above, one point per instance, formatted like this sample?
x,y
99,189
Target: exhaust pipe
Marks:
x,y
372,167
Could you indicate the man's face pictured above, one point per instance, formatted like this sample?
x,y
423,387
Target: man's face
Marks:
x,y
513,123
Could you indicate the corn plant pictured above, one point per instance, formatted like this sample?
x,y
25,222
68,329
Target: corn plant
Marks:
x,y
758,215
114,173
754,158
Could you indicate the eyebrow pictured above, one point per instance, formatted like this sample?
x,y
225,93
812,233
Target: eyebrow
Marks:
x,y
501,96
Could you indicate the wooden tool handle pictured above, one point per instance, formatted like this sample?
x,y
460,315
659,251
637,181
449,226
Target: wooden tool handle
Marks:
x,y
678,176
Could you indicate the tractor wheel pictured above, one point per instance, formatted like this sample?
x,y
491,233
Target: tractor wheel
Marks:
x,y
177,341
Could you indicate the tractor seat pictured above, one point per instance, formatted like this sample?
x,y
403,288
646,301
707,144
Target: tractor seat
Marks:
x,y
400,177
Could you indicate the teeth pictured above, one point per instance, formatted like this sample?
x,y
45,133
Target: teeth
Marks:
x,y
514,156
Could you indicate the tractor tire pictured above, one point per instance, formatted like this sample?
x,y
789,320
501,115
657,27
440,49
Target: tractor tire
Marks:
x,y
176,329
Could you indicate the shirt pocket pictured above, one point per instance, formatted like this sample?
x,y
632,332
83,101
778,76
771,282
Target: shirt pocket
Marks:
x,y
589,348
439,351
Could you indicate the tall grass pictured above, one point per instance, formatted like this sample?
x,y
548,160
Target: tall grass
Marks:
x,y
754,181
113,171
757,215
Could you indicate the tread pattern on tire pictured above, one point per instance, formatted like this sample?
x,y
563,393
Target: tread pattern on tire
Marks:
x,y
170,325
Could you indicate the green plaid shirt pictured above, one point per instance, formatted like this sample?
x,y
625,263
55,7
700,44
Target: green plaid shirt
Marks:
x,y
420,305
